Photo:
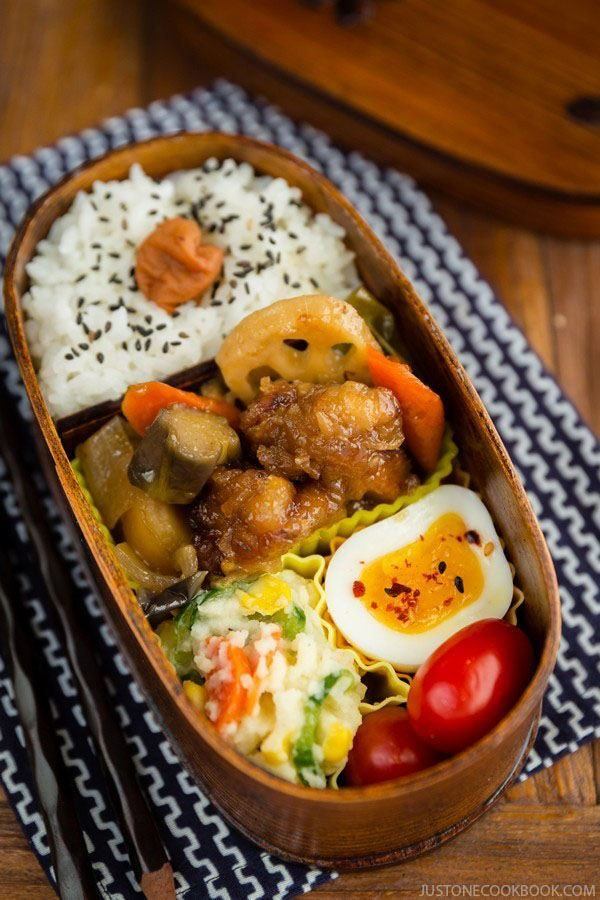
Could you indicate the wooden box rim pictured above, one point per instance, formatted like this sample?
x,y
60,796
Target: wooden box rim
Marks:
x,y
20,253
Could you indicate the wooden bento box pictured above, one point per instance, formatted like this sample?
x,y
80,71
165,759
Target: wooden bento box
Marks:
x,y
355,826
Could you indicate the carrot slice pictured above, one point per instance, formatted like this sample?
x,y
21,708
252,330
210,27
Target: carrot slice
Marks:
x,y
143,402
232,696
422,409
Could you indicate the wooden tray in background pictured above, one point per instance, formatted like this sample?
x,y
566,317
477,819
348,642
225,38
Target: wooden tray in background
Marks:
x,y
495,102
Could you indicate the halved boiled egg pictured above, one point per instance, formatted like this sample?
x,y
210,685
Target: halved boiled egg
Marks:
x,y
398,589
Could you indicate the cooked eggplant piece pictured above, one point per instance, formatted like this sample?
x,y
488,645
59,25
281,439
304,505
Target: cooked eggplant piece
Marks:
x,y
159,607
104,459
179,452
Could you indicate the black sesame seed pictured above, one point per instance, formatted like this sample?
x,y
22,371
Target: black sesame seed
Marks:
x,y
314,282
107,327
83,346
459,584
68,356
103,219
175,343
161,327
473,537
79,278
286,278
115,255
124,345
165,347
147,344
247,287
100,357
442,567
183,334
138,344
293,235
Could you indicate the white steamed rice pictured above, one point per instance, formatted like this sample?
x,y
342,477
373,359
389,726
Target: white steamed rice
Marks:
x,y
92,333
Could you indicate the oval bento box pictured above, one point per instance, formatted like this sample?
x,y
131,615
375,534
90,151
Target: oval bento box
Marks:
x,y
351,827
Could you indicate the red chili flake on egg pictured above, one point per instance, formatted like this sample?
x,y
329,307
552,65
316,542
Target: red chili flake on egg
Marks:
x,y
358,588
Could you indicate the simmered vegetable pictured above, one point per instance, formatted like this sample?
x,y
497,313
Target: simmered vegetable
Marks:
x,y
180,451
155,531
104,459
159,607
143,402
140,574
315,338
423,417
377,316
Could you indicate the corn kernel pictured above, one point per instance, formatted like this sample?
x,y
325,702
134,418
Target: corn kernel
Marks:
x,y
337,743
276,749
267,595
195,694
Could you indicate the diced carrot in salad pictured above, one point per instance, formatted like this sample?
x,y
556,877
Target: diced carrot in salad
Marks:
x,y
423,417
230,686
143,402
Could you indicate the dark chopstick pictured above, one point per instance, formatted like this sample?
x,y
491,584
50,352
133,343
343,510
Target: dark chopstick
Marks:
x,y
72,869
148,857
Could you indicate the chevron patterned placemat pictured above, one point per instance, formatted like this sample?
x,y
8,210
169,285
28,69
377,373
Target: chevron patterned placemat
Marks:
x,y
557,457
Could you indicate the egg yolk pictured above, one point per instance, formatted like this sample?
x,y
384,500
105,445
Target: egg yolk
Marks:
x,y
420,585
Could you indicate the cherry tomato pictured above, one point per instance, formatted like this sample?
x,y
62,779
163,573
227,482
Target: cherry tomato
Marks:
x,y
469,683
386,746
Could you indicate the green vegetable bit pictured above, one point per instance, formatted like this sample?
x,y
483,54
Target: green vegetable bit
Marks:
x,y
377,316
303,752
292,622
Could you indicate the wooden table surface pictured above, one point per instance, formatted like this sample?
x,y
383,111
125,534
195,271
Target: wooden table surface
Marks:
x,y
66,64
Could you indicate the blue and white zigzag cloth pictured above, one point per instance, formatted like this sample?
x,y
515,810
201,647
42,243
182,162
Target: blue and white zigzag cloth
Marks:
x,y
555,453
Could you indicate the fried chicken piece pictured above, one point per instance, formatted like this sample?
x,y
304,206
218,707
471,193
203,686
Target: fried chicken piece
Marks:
x,y
246,519
345,436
